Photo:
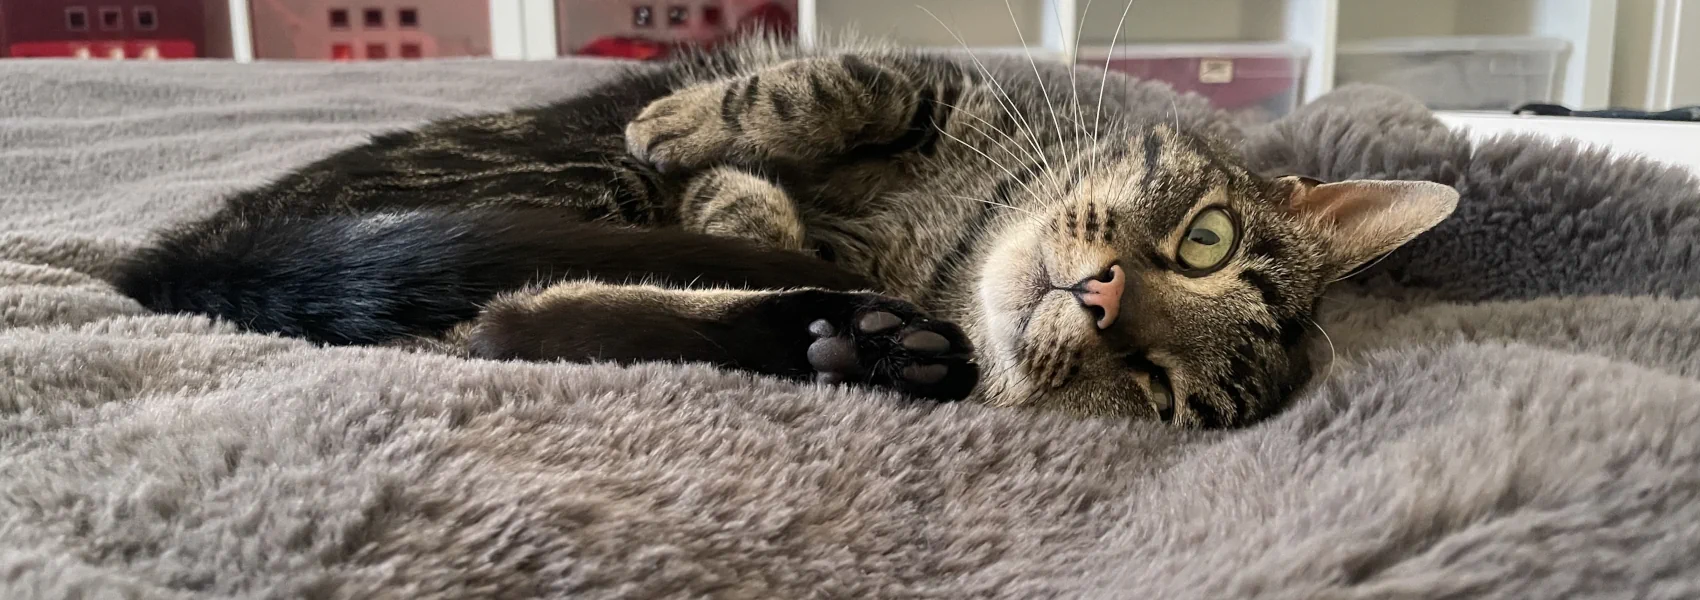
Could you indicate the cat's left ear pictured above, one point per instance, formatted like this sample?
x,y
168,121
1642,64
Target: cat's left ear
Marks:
x,y
1363,219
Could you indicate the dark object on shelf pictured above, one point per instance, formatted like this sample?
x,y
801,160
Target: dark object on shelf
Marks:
x,y
1686,113
107,29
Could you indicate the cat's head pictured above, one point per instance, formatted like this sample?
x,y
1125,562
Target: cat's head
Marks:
x,y
1167,282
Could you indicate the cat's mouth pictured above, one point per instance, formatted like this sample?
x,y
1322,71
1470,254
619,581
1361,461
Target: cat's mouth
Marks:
x,y
1035,298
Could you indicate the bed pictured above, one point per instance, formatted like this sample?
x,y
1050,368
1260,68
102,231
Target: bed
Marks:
x,y
1513,409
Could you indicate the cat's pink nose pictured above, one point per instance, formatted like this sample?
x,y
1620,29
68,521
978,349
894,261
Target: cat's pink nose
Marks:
x,y
1104,293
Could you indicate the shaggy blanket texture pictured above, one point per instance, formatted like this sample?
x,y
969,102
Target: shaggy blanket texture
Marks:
x,y
1514,412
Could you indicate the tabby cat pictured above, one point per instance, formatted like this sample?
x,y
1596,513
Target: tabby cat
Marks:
x,y
865,215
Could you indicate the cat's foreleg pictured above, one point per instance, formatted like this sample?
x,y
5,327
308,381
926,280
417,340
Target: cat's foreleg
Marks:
x,y
801,111
806,334
729,202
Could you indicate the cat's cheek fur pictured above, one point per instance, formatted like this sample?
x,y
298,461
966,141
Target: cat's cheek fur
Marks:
x,y
1058,341
1103,388
1011,282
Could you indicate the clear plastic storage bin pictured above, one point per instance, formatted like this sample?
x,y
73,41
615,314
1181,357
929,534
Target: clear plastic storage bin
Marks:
x,y
1037,53
1258,81
1458,73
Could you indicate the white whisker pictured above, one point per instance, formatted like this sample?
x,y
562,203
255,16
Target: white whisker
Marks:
x,y
1052,176
1037,77
1104,79
1073,72
1073,58
988,157
985,201
1001,96
1174,113
1331,353
960,111
1364,269
1030,191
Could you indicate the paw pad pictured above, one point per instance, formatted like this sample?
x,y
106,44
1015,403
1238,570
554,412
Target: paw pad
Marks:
x,y
893,345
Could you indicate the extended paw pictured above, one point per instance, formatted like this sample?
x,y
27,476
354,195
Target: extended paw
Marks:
x,y
682,131
886,342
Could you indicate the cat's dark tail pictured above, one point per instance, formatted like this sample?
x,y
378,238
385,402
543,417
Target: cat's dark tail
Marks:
x,y
371,278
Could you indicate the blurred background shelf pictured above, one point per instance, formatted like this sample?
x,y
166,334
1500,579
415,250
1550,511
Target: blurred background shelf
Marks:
x,y
1457,54
1575,35
1641,54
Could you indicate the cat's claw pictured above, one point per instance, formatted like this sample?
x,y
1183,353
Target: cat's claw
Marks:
x,y
890,344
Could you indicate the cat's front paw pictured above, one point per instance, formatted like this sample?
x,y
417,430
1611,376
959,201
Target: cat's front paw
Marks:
x,y
886,342
683,131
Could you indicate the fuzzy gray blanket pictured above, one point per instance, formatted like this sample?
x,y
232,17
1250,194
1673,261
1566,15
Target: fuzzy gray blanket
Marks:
x,y
1514,412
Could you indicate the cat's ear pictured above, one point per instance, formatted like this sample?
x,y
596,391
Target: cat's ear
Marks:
x,y
1362,219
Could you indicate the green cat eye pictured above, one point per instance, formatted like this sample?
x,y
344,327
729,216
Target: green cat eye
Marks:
x,y
1209,242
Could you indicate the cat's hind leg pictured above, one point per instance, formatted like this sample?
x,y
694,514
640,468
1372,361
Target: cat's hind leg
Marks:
x,y
807,334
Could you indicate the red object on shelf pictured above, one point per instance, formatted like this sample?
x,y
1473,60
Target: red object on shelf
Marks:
x,y
132,49
770,17
634,48
102,29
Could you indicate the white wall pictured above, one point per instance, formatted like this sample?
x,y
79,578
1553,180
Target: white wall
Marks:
x,y
1656,55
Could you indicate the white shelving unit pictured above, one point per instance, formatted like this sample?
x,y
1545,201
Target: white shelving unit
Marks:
x,y
1587,26
522,29
1635,53
1656,65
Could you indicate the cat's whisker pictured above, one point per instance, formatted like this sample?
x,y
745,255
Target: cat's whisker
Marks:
x,y
1054,177
1037,78
959,110
985,201
1005,102
1073,80
1363,269
1332,355
995,162
1174,112
1030,191
1002,166
1104,79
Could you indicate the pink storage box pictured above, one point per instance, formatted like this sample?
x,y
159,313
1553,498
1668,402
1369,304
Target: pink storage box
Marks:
x,y
1260,79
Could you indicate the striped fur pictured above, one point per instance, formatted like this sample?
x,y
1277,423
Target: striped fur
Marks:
x,y
977,197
